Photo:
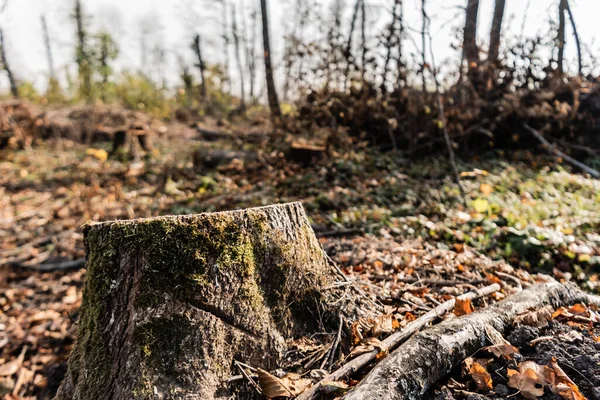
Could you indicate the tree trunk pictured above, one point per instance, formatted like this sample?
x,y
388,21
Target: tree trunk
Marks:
x,y
577,42
423,46
252,53
197,47
81,55
226,49
271,91
170,302
410,371
363,38
400,78
389,43
51,70
238,57
496,30
470,52
560,39
4,62
348,52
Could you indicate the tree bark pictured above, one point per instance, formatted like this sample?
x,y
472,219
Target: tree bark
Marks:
x,y
411,370
470,52
363,38
197,47
170,302
560,39
348,53
81,54
496,30
238,56
577,42
49,57
4,63
271,90
423,46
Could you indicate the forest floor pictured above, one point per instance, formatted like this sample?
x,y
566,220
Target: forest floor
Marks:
x,y
388,222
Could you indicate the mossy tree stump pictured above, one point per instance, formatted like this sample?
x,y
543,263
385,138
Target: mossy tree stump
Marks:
x,y
170,302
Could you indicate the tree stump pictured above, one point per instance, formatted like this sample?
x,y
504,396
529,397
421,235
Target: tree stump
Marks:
x,y
170,302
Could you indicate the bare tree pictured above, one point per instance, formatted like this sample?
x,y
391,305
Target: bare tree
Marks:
x,y
496,30
3,60
348,52
470,52
560,39
271,91
424,24
363,36
197,47
389,42
49,57
400,76
226,48
251,53
577,42
82,56
238,57
107,52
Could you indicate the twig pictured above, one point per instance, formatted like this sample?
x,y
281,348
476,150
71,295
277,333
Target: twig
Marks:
x,y
512,278
442,118
336,342
340,232
553,149
59,266
435,282
250,380
396,339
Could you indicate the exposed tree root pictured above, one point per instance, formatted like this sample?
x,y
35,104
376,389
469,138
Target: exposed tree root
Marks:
x,y
414,367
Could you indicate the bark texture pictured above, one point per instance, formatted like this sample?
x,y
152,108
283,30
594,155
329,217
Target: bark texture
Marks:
x,y
271,90
409,371
470,52
560,36
170,302
495,32
4,64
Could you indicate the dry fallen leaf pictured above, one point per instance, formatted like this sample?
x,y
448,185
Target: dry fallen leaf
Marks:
x,y
479,373
486,189
463,307
373,327
367,346
500,347
529,380
6,385
290,385
561,384
536,318
13,366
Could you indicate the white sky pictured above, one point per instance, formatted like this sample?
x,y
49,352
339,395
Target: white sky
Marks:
x,y
177,20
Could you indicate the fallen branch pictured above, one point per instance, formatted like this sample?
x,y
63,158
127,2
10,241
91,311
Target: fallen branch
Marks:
x,y
340,232
414,367
59,266
554,150
395,339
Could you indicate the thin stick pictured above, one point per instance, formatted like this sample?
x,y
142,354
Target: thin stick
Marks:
x,y
250,380
397,338
442,118
59,266
335,343
553,149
